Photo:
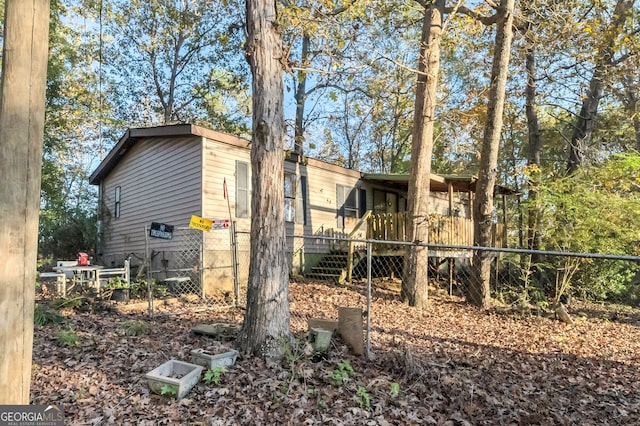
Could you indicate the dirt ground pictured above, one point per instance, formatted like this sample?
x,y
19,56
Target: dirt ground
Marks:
x,y
450,364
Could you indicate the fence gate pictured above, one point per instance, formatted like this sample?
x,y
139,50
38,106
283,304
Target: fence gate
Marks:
x,y
175,263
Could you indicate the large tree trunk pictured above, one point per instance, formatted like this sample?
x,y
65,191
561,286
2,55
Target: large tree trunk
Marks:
x,y
479,289
416,279
583,128
266,324
22,100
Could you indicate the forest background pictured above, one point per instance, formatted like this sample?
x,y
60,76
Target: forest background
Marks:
x,y
571,127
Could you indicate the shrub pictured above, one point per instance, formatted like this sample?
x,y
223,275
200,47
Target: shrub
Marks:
x,y
43,315
68,337
135,327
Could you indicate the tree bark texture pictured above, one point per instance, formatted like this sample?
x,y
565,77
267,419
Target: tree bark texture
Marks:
x,y
266,321
416,279
585,121
479,290
22,100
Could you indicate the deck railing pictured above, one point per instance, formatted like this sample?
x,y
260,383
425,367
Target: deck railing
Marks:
x,y
445,230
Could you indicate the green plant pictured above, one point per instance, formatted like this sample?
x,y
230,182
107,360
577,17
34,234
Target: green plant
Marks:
x,y
293,353
67,337
68,303
116,283
322,404
158,290
135,327
395,389
214,375
340,373
363,398
43,315
170,390
137,289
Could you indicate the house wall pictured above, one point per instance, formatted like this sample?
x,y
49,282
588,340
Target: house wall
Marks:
x,y
220,156
321,211
160,182
169,179
438,201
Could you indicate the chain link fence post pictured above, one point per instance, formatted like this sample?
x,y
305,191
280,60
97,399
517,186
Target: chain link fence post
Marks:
x,y
368,344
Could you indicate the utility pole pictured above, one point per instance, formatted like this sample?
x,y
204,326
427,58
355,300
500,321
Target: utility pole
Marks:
x,y
22,102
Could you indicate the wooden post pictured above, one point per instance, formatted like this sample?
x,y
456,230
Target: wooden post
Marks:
x,y
350,261
22,101
351,329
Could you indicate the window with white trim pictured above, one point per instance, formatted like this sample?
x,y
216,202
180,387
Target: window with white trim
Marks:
x,y
349,201
242,189
295,205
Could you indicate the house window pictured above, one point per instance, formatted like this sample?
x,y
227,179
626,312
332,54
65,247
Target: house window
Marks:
x,y
301,201
348,200
294,198
289,197
116,210
242,189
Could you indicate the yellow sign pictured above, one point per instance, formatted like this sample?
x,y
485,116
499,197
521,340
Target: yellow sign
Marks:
x,y
200,223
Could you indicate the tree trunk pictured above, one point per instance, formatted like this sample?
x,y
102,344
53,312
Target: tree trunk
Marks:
x,y
479,289
636,128
301,97
630,101
416,279
534,213
266,324
22,100
583,128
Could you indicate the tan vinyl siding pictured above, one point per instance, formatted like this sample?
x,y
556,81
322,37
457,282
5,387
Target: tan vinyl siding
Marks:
x,y
220,164
321,205
160,181
220,158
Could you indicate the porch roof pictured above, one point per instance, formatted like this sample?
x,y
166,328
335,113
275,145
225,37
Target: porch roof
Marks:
x,y
439,183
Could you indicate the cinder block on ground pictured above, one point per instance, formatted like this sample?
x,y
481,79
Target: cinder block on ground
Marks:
x,y
320,339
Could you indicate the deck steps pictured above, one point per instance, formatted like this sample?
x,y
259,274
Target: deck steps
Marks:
x,y
332,267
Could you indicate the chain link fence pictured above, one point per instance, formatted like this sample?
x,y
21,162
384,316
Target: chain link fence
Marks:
x,y
214,267
527,279
173,266
208,268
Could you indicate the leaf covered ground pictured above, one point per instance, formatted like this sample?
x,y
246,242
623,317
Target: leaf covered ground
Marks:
x,y
450,364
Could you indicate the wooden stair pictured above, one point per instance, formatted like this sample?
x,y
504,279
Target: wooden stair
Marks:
x,y
332,267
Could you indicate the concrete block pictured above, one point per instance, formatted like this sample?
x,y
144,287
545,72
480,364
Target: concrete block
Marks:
x,y
182,376
320,339
210,360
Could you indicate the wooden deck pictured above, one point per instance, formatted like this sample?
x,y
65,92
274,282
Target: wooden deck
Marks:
x,y
445,230
393,227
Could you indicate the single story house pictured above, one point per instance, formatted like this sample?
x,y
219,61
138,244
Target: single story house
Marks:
x,y
166,175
